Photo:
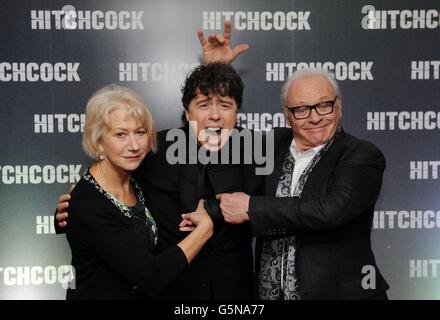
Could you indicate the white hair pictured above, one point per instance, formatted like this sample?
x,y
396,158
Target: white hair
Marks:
x,y
308,73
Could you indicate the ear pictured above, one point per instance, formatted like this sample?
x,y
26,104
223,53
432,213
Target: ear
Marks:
x,y
340,106
287,116
100,148
186,115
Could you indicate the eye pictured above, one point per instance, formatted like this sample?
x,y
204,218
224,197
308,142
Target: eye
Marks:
x,y
324,105
141,132
203,106
225,106
301,109
120,134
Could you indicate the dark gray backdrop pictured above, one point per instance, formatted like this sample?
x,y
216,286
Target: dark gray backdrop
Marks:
x,y
406,232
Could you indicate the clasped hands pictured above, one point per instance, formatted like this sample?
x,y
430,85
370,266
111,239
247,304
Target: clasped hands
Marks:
x,y
234,207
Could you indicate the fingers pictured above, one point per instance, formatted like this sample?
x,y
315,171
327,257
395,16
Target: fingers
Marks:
x,y
220,39
185,216
239,49
201,36
64,198
185,222
186,229
62,224
61,217
62,207
186,225
227,32
217,40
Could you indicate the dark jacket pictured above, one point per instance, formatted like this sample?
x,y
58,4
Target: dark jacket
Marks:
x,y
223,268
112,258
332,220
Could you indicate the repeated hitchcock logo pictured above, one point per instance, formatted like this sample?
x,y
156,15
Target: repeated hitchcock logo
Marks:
x,y
68,18
403,120
342,70
44,72
74,123
40,174
63,275
425,70
424,268
154,71
59,122
257,20
261,121
399,19
406,219
45,225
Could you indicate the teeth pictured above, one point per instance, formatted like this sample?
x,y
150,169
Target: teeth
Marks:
x,y
214,129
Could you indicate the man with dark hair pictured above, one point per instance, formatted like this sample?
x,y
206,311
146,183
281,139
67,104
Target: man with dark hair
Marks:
x,y
214,78
223,268
212,84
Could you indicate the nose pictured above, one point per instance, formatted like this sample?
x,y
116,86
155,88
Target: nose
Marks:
x,y
214,112
133,143
314,116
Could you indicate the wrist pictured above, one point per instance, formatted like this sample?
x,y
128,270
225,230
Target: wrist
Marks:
x,y
206,227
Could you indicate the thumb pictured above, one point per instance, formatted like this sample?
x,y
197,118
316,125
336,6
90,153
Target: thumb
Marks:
x,y
239,50
201,204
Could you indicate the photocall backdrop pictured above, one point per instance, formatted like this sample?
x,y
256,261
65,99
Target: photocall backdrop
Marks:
x,y
55,54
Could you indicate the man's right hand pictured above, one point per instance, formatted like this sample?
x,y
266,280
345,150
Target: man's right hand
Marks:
x,y
63,204
217,48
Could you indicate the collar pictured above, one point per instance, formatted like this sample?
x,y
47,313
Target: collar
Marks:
x,y
308,153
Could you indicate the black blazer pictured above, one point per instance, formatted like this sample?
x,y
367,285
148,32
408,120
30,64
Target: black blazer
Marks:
x,y
110,256
332,220
224,267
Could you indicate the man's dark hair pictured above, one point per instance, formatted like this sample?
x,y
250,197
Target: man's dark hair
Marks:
x,y
212,79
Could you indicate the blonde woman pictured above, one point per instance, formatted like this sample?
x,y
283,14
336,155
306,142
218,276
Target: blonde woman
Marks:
x,y
111,233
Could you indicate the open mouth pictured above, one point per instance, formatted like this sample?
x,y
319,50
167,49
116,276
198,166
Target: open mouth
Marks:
x,y
213,137
213,131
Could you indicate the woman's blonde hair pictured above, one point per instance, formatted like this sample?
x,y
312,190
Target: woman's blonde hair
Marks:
x,y
99,107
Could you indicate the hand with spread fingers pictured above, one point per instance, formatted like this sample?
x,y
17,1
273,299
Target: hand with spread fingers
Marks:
x,y
217,48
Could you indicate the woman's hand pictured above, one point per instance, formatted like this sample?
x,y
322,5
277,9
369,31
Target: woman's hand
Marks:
x,y
198,218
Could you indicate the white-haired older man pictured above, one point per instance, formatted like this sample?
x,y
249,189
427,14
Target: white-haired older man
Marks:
x,y
313,222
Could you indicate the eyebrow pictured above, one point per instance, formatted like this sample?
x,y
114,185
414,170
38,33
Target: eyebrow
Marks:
x,y
209,98
225,101
125,129
302,103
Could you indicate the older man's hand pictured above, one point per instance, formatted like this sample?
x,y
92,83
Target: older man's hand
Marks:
x,y
235,207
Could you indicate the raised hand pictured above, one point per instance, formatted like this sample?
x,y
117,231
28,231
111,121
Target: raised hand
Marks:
x,y
217,48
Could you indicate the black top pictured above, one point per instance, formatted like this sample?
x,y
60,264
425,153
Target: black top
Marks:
x,y
223,268
113,252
